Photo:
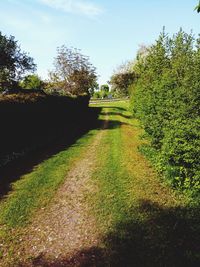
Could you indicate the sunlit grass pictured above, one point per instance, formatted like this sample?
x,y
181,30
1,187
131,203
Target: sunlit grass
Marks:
x,y
142,221
36,189
136,211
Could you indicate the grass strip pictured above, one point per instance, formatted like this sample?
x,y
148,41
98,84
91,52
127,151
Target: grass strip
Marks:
x,y
34,190
143,221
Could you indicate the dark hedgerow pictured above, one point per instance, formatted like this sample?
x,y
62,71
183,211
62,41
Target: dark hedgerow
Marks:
x,y
31,120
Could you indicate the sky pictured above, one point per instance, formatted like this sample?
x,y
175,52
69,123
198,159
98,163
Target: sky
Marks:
x,y
108,31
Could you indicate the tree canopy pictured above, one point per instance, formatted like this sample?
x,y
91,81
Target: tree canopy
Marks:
x,y
14,63
32,82
73,73
122,79
105,87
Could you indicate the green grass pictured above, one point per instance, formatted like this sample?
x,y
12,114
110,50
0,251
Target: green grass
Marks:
x,y
32,192
111,176
143,221
37,188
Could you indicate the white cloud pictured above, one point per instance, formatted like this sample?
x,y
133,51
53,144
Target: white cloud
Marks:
x,y
74,6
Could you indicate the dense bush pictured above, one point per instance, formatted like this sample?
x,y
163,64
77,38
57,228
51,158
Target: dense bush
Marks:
x,y
30,120
102,93
33,82
166,99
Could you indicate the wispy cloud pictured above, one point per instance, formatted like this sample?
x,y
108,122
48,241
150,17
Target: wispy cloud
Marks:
x,y
75,6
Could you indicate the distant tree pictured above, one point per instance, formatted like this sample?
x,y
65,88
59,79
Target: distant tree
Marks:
x,y
105,88
32,82
73,73
103,94
97,94
14,63
93,89
120,82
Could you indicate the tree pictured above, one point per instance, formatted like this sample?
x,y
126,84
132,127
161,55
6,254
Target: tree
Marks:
x,y
14,63
93,89
122,79
32,82
105,88
73,73
197,8
97,94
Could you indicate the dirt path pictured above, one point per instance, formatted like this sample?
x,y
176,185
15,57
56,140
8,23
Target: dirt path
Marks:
x,y
112,210
66,226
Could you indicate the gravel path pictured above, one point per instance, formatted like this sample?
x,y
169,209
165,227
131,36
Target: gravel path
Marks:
x,y
66,226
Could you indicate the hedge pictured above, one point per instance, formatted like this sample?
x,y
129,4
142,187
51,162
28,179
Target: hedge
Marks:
x,y
30,120
166,99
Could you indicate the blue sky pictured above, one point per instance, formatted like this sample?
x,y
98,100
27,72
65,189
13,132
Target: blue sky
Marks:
x,y
109,32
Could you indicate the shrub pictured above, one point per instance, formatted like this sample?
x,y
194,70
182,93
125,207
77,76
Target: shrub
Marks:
x,y
165,97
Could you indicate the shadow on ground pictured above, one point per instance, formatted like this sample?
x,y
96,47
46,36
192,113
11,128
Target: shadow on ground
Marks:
x,y
164,237
12,171
117,114
116,108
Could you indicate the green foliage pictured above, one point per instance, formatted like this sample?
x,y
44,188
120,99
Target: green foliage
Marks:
x,y
120,82
165,98
93,88
102,93
13,62
141,218
96,94
32,82
40,185
105,88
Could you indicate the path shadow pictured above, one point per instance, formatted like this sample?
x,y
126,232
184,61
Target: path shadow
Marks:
x,y
165,237
116,114
116,108
112,124
12,171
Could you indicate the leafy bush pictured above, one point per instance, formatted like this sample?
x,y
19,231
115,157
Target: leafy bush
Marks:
x,y
32,82
101,94
165,97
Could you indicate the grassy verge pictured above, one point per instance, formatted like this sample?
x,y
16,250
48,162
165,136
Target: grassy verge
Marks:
x,y
33,192
36,189
110,175
144,222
